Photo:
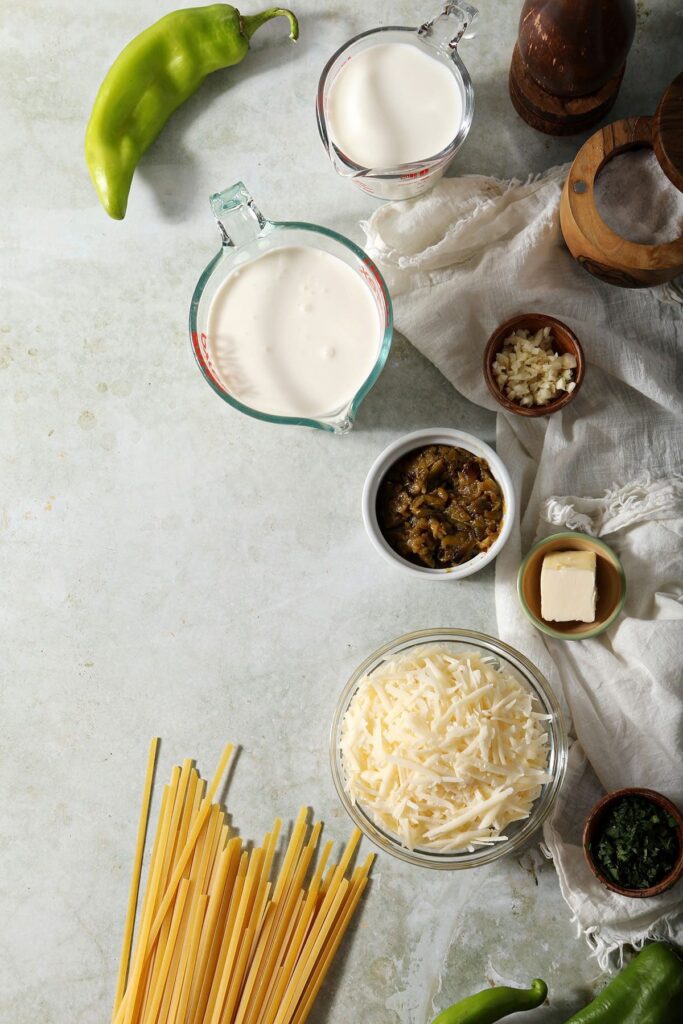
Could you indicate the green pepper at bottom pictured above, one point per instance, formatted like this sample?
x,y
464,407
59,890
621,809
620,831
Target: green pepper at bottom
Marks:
x,y
648,991
494,1003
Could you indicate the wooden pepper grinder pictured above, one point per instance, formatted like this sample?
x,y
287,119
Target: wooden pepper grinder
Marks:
x,y
569,60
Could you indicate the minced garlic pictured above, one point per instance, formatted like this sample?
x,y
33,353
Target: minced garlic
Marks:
x,y
529,372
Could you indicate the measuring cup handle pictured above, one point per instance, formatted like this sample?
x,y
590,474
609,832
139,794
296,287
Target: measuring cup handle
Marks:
x,y
438,32
237,215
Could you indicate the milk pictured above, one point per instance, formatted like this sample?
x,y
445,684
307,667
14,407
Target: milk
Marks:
x,y
393,104
294,332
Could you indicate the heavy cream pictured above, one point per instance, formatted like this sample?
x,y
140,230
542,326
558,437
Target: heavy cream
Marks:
x,y
294,332
393,104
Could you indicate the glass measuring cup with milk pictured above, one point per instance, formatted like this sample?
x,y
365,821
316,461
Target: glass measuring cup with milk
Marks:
x,y
290,322
395,104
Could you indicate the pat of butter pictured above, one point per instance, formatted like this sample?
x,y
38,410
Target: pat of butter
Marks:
x,y
568,591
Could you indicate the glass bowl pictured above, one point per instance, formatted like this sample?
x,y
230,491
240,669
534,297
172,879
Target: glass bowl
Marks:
x,y
462,640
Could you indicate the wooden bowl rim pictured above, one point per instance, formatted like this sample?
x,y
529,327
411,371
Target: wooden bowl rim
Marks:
x,y
591,630
593,819
638,256
494,344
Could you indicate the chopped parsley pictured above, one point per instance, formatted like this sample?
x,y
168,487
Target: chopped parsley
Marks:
x,y
636,844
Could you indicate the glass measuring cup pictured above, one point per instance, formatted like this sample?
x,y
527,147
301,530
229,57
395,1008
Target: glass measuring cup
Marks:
x,y
438,38
247,234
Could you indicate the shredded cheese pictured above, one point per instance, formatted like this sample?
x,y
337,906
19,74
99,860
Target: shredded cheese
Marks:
x,y
443,749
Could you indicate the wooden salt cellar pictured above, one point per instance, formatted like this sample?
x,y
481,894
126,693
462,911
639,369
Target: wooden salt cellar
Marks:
x,y
569,60
599,249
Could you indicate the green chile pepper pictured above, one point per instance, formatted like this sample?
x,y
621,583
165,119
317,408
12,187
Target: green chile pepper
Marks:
x,y
494,1003
648,991
151,77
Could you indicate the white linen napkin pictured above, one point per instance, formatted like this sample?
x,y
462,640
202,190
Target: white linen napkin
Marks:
x,y
458,261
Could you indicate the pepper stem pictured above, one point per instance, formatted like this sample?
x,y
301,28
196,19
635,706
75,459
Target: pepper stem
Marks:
x,y
251,22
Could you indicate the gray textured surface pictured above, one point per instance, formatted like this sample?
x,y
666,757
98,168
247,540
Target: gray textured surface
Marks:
x,y
171,567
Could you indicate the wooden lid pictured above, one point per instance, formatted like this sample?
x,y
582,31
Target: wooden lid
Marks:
x,y
667,135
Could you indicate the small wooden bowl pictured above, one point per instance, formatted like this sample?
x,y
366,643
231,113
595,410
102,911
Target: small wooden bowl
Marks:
x,y
564,340
592,827
609,578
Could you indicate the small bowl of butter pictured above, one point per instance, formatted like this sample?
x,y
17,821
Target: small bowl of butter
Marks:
x,y
571,586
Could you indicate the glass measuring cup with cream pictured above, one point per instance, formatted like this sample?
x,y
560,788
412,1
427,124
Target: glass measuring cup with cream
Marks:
x,y
395,104
290,322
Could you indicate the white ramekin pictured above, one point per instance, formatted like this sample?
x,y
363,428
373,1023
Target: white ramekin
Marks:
x,y
419,439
